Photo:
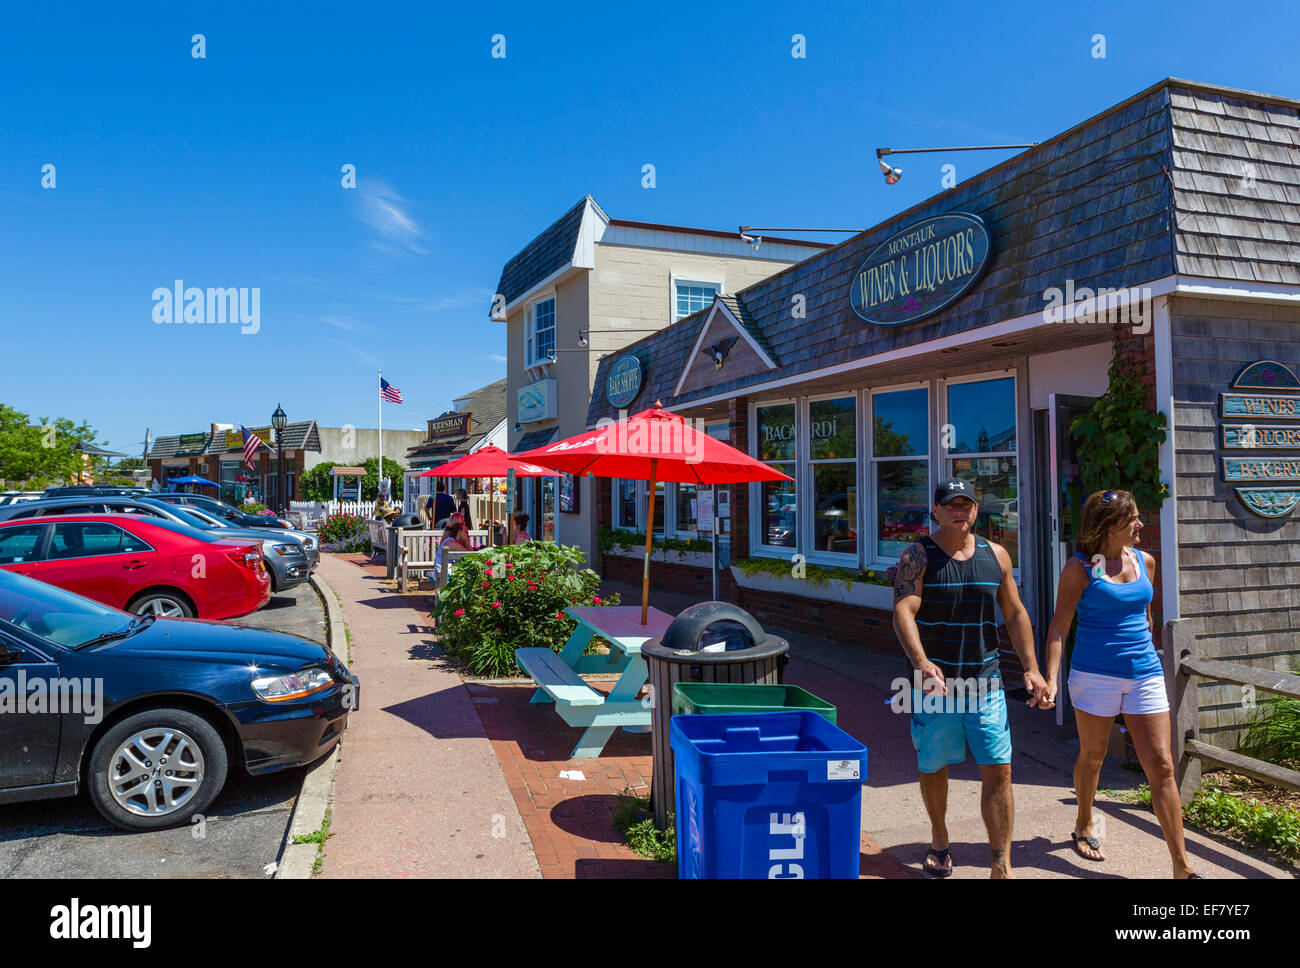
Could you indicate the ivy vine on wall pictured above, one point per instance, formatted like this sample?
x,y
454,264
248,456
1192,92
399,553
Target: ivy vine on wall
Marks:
x,y
1119,437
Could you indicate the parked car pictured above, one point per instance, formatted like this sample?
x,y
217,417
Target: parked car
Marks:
x,y
287,560
17,497
93,490
176,703
224,511
140,564
309,542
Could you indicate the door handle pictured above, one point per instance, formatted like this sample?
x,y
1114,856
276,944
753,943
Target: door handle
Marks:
x,y
133,565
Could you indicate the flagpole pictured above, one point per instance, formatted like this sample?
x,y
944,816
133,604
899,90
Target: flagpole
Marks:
x,y
380,475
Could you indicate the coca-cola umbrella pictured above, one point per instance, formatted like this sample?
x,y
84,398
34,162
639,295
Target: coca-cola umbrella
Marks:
x,y
653,445
491,462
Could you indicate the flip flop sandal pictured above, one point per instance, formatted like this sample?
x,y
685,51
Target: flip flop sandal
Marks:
x,y
1195,876
943,857
1092,842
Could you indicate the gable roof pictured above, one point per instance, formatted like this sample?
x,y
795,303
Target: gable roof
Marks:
x,y
549,252
302,435
487,409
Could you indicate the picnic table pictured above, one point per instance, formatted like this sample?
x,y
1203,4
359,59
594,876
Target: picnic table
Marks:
x,y
559,676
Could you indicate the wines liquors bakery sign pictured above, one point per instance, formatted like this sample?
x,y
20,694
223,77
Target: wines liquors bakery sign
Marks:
x,y
1261,448
922,269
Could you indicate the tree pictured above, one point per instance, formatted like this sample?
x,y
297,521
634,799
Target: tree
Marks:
x,y
44,453
317,484
370,483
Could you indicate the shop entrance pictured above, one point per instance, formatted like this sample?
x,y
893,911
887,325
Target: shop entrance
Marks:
x,y
1058,507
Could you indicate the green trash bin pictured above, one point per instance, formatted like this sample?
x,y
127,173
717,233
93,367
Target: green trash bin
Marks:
x,y
692,698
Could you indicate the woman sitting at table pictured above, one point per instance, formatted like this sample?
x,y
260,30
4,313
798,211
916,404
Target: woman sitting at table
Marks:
x,y
455,537
521,528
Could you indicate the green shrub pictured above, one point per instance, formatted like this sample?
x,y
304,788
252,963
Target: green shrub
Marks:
x,y
633,818
502,599
1275,828
1273,734
622,541
344,532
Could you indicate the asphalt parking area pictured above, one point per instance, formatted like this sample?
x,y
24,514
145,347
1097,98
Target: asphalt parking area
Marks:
x,y
242,832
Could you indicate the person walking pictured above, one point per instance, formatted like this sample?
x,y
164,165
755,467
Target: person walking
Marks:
x,y
462,505
945,589
440,506
1114,668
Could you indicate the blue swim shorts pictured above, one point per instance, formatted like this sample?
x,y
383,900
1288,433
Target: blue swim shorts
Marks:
x,y
941,737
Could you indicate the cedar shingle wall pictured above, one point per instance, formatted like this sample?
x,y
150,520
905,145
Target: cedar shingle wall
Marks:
x,y
1237,187
1239,575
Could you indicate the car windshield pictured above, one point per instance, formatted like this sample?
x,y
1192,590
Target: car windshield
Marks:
x,y
54,614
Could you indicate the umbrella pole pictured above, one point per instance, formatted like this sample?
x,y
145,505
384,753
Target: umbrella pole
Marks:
x,y
650,527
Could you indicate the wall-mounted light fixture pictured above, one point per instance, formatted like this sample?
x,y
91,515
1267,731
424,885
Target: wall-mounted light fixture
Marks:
x,y
892,175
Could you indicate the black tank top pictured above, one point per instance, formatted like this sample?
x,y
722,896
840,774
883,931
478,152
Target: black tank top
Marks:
x,y
956,619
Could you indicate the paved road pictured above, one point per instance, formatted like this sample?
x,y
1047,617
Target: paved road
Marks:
x,y
244,828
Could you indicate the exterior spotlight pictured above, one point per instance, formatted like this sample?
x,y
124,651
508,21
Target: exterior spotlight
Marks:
x,y
550,355
518,426
892,175
582,337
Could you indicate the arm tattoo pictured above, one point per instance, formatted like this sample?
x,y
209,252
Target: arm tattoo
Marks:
x,y
911,566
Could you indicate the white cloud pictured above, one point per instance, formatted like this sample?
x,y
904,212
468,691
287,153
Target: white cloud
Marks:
x,y
346,323
496,358
384,210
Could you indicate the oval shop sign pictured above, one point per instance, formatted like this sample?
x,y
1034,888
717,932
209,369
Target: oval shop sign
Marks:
x,y
623,382
920,270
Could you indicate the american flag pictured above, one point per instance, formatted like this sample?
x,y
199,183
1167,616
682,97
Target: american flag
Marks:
x,y
389,392
251,443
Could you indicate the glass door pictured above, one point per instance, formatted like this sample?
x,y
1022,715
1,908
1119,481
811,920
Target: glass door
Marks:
x,y
1059,498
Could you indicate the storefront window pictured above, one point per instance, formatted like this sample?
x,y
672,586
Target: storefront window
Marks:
x,y
659,508
983,415
548,508
777,499
687,517
899,456
625,504
833,449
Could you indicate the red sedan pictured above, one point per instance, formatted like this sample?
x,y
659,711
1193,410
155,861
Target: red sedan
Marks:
x,y
141,565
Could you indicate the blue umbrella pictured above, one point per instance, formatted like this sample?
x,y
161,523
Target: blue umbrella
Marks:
x,y
192,479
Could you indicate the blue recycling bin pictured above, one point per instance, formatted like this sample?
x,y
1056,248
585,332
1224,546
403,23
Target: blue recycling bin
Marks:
x,y
767,795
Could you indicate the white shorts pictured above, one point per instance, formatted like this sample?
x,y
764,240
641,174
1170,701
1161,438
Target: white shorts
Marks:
x,y
1110,695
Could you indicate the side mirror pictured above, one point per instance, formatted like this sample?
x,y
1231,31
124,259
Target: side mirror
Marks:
x,y
7,657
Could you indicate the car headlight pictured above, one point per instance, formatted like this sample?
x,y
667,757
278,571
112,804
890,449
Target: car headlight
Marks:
x,y
297,685
282,549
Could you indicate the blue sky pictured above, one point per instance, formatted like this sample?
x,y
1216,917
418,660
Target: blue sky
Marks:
x,y
225,171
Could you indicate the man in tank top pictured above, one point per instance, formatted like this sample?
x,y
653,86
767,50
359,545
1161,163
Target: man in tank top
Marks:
x,y
945,592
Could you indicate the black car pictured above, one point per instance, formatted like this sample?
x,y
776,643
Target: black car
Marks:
x,y
94,490
149,713
221,509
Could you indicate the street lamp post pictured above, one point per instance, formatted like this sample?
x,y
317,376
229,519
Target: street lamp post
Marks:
x,y
279,421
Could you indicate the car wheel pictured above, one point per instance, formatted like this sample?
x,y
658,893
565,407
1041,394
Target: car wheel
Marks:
x,y
162,603
156,769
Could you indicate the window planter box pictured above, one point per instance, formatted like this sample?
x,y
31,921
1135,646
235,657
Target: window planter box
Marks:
x,y
694,559
858,593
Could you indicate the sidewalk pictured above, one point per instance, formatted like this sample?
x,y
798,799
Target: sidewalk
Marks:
x,y
431,764
858,682
418,792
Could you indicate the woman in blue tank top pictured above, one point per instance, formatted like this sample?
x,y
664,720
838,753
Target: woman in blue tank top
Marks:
x,y
1115,668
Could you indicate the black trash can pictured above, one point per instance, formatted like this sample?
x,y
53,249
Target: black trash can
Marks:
x,y
709,642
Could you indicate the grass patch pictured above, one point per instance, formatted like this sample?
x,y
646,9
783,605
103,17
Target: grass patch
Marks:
x,y
636,822
317,837
1275,828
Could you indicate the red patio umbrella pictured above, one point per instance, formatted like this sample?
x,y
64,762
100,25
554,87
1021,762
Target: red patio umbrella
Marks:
x,y
491,462
653,446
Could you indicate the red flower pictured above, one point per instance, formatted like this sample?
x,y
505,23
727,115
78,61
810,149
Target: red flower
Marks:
x,y
509,565
532,587
485,584
559,615
460,612
496,604
510,577
487,571
595,600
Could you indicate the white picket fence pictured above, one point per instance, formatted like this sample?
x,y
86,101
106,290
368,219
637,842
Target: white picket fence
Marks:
x,y
313,512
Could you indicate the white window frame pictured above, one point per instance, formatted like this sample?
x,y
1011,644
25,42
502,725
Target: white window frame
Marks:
x,y
804,479
675,280
946,457
530,330
757,548
670,497
877,560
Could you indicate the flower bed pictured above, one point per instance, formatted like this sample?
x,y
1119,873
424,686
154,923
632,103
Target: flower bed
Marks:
x,y
344,532
502,599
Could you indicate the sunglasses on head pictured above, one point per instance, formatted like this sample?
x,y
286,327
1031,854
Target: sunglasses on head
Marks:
x,y
1108,497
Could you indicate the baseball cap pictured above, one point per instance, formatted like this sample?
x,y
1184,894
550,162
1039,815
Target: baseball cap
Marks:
x,y
955,487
